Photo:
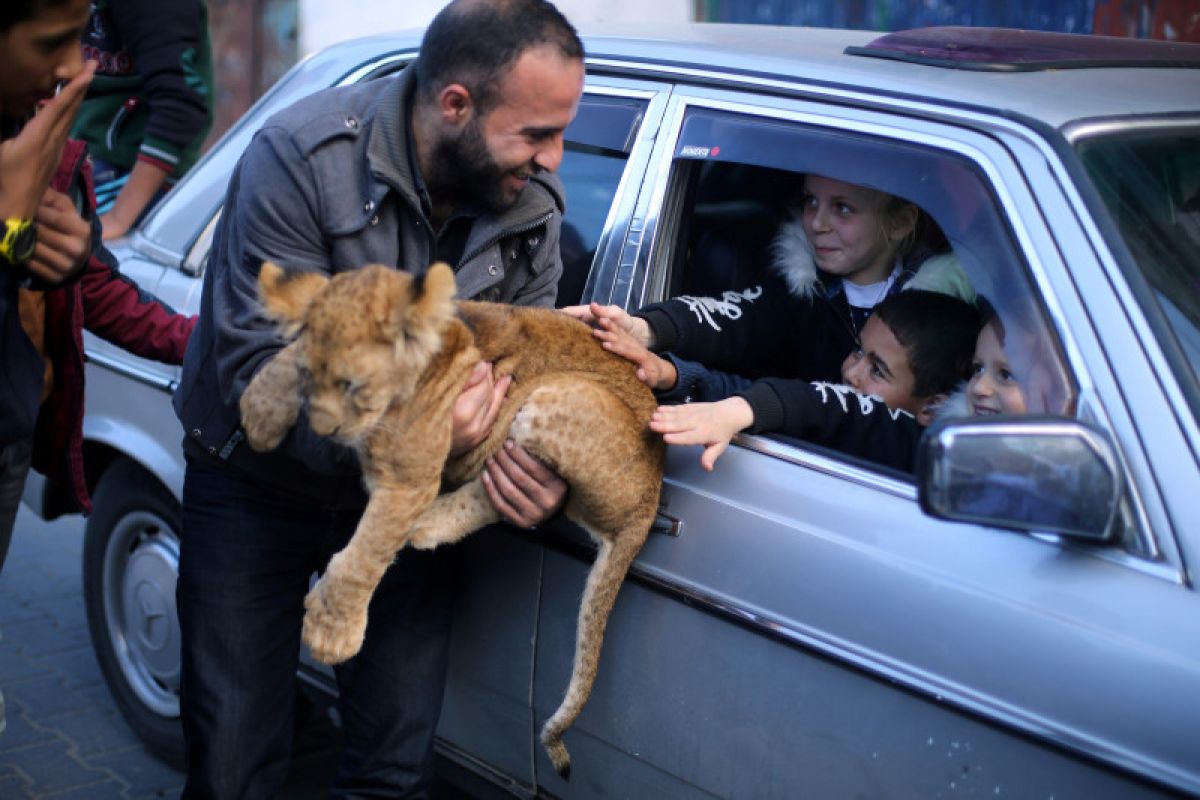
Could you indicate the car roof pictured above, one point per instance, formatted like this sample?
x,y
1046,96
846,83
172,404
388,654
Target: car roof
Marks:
x,y
737,54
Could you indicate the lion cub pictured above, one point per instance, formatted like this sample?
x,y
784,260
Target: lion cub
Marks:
x,y
380,357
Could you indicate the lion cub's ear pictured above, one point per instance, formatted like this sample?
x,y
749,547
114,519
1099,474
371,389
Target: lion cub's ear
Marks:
x,y
287,296
431,296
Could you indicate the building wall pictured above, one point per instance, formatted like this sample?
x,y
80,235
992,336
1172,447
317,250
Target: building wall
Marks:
x,y
322,23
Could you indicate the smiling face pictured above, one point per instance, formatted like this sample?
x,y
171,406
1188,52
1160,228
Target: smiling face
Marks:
x,y
850,230
38,52
494,154
881,367
993,388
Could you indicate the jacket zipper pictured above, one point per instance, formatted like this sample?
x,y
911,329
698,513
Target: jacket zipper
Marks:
x,y
126,108
516,230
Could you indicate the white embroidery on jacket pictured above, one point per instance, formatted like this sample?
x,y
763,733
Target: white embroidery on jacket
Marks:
x,y
866,402
728,305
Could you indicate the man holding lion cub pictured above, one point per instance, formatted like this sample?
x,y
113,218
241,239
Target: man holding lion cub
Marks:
x,y
451,160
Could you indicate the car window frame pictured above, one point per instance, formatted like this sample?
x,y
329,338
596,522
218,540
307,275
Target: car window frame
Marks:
x,y
987,143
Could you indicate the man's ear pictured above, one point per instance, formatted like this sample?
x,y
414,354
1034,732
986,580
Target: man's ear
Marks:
x,y
929,409
287,296
455,104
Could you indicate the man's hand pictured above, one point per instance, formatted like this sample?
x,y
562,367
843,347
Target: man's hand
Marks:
x,y
709,424
477,407
29,159
594,313
64,239
523,490
656,372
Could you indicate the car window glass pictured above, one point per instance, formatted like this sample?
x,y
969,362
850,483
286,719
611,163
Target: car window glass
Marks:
x,y
736,175
1150,182
595,150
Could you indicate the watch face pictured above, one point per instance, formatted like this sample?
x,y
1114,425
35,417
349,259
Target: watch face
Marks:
x,y
24,243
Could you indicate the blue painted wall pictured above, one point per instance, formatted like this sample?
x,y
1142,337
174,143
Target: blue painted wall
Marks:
x,y
1159,19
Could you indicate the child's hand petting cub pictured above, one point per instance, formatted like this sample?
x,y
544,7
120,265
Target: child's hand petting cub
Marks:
x,y
709,424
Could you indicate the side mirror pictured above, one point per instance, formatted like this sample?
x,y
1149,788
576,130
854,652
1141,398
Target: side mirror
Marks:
x,y
1044,475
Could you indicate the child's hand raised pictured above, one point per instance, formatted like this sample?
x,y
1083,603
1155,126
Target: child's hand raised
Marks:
x,y
594,313
709,424
655,372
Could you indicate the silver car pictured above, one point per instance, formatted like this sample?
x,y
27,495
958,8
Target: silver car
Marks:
x,y
801,623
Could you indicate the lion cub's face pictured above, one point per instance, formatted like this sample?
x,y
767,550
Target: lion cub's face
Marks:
x,y
366,336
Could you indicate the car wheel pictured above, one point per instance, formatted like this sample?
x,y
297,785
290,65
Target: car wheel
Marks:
x,y
130,567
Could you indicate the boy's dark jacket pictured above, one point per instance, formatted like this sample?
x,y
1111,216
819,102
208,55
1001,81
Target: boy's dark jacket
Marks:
x,y
122,314
828,414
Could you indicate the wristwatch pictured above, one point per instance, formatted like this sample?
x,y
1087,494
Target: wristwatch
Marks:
x,y
19,240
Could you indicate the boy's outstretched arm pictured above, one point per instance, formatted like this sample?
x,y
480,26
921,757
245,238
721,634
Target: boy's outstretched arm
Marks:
x,y
710,424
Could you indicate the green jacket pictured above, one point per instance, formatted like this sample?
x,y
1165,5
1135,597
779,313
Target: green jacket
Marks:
x,y
151,98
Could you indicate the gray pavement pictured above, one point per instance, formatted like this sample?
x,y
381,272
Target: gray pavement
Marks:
x,y
65,738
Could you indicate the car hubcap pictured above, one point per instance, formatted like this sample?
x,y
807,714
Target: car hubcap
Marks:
x,y
140,571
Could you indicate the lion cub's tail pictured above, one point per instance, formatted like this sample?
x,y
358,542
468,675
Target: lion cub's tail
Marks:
x,y
604,581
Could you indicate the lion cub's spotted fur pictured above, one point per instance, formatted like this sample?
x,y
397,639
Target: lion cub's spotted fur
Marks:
x,y
387,355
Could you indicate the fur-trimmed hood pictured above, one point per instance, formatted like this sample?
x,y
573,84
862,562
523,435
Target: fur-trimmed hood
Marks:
x,y
792,259
955,406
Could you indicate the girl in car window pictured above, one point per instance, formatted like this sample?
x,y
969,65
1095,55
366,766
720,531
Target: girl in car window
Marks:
x,y
1012,372
845,250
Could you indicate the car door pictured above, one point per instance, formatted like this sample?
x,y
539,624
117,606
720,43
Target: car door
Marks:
x,y
486,721
797,626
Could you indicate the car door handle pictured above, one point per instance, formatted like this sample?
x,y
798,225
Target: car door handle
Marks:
x,y
665,524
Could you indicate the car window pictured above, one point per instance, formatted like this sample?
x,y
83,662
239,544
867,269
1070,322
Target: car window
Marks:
x,y
735,175
596,148
1149,178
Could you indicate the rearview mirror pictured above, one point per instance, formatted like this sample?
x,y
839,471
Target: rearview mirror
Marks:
x,y
1045,475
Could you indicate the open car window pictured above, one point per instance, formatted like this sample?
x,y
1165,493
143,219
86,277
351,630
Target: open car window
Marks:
x,y
735,175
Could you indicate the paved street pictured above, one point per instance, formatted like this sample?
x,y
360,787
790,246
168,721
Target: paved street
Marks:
x,y
65,738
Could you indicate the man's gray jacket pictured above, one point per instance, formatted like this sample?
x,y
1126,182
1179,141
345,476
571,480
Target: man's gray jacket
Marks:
x,y
326,186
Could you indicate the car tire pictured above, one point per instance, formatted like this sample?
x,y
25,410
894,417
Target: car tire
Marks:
x,y
130,568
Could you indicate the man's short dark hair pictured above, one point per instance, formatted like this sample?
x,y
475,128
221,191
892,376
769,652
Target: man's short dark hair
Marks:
x,y
476,43
14,11
938,332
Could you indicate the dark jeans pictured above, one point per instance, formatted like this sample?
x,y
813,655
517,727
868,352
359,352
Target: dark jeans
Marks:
x,y
14,467
246,557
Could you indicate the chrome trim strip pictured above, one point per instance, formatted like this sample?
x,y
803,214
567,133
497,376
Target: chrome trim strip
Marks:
x,y
154,251
366,69
828,465
1085,130
618,223
152,379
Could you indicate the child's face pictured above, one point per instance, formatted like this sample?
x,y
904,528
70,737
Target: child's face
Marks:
x,y
881,367
993,388
846,226
37,53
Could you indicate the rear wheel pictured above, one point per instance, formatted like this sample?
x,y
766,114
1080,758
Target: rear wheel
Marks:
x,y
130,568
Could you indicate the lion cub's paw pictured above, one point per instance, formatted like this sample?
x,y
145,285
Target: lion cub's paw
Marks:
x,y
267,423
333,631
